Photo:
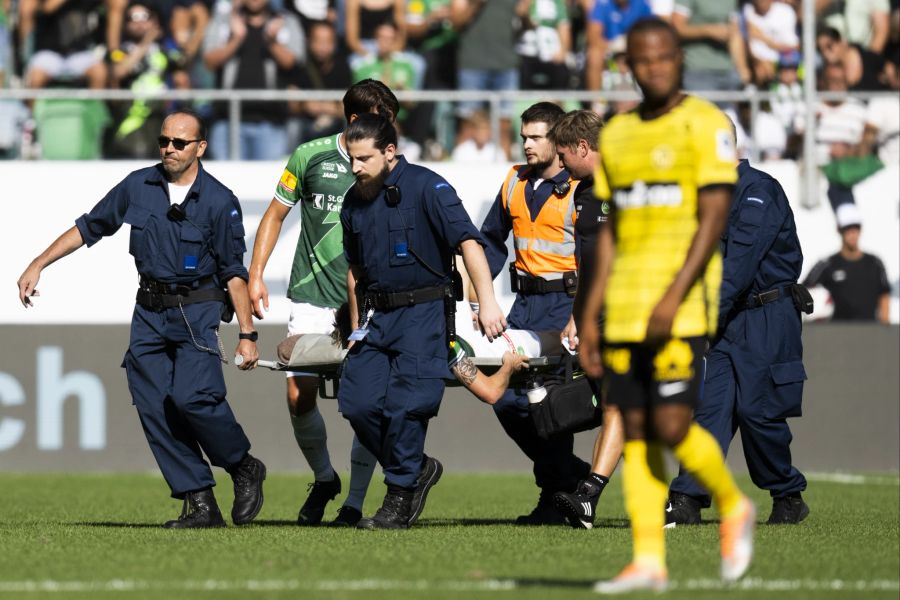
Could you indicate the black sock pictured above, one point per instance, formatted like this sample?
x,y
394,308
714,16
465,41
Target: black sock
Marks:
x,y
599,480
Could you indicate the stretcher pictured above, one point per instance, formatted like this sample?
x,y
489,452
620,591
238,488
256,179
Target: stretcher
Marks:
x,y
323,356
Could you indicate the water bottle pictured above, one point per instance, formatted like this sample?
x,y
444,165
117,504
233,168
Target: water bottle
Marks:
x,y
536,391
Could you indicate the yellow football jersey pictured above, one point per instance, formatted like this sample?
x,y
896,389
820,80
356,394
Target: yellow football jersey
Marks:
x,y
651,171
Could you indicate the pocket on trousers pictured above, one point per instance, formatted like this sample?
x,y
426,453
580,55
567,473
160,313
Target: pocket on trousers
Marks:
x,y
431,371
787,396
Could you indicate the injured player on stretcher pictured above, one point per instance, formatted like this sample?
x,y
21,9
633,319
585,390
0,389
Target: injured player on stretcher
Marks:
x,y
324,353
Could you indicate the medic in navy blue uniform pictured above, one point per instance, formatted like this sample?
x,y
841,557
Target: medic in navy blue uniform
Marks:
x,y
187,239
537,205
402,225
754,369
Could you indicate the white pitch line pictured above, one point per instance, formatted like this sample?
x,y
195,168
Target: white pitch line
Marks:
x,y
851,479
421,585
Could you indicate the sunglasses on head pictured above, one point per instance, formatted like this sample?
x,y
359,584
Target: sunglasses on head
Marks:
x,y
177,143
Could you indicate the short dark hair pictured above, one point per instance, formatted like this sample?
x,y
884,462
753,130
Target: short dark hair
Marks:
x,y
574,126
201,124
829,32
371,126
317,23
368,94
653,24
543,112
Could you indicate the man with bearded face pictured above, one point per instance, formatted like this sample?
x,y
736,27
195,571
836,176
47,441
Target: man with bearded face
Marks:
x,y
537,204
314,181
402,226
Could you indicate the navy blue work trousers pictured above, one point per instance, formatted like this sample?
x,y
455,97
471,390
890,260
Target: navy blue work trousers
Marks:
x,y
179,392
754,382
388,396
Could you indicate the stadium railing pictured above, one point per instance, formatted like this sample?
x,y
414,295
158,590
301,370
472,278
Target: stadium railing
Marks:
x,y
493,99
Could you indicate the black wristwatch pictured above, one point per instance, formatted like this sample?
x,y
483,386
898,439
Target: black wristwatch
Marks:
x,y
252,336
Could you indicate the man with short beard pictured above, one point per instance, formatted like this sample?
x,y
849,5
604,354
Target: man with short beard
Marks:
x,y
402,226
537,204
314,181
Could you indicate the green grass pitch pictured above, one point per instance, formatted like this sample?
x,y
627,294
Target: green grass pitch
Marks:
x,y
98,536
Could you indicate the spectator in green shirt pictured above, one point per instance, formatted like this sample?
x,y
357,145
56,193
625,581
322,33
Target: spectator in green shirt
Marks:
x,y
714,52
396,69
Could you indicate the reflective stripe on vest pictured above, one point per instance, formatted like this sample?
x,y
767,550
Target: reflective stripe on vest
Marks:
x,y
544,247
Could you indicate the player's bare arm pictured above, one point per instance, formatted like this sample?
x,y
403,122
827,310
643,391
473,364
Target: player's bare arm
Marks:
x,y
488,389
266,237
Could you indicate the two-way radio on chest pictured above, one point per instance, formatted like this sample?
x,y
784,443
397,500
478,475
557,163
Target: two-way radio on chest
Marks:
x,y
392,198
177,213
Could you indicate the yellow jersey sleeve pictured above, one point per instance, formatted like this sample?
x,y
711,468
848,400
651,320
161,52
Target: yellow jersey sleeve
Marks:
x,y
714,150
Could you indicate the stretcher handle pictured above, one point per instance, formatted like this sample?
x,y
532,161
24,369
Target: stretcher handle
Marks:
x,y
265,364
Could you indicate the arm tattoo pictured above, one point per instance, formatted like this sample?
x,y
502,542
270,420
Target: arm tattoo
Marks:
x,y
465,370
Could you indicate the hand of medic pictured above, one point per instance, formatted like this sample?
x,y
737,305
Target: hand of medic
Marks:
x,y
259,296
249,352
27,285
493,323
569,336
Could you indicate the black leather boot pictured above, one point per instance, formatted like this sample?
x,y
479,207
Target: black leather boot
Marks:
x,y
248,476
200,510
395,511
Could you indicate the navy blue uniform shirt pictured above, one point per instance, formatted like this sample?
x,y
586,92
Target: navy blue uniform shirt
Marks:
x,y
209,242
430,220
760,250
497,224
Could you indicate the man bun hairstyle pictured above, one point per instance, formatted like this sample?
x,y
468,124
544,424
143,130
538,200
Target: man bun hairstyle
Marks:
x,y
375,127
543,112
574,126
367,95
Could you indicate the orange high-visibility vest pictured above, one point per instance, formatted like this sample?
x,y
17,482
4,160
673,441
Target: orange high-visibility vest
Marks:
x,y
544,247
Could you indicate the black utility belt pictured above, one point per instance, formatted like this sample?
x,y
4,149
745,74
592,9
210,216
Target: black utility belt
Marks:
x,y
757,299
160,287
796,292
525,284
391,300
185,295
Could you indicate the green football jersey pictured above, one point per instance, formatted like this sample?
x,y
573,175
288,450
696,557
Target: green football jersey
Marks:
x,y
317,176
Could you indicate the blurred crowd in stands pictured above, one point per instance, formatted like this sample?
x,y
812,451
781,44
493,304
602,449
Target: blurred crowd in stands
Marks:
x,y
552,45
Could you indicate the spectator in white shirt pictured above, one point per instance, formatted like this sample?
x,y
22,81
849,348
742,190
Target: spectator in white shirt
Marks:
x,y
839,129
477,145
771,29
